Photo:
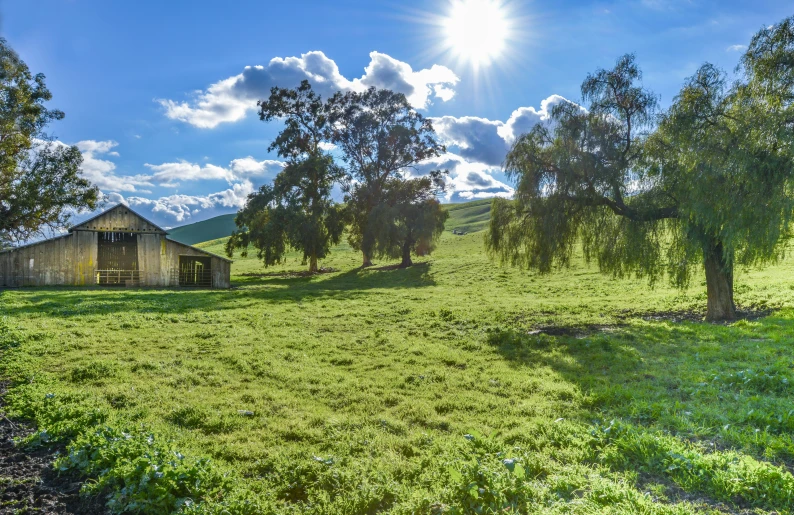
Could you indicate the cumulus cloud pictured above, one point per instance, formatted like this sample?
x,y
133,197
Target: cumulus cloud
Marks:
x,y
467,179
100,170
229,100
173,172
487,141
182,207
736,48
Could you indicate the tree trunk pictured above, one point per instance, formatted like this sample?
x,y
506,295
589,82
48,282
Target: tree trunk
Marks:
x,y
406,262
313,264
719,284
367,261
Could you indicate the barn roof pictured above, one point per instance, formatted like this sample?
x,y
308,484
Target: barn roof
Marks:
x,y
84,224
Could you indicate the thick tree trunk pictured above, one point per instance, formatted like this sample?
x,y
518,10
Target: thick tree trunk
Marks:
x,y
367,260
313,264
406,262
719,284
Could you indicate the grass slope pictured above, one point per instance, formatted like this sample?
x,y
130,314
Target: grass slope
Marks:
x,y
466,217
211,229
424,390
469,216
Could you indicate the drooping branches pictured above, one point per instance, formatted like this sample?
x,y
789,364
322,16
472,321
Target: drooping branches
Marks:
x,y
707,182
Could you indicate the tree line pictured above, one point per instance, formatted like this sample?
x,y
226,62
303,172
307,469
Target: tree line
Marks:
x,y
387,212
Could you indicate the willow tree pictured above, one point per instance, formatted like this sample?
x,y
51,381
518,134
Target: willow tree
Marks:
x,y
379,135
708,183
297,210
40,181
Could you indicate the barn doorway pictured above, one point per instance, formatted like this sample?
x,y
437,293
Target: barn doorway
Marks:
x,y
195,271
117,259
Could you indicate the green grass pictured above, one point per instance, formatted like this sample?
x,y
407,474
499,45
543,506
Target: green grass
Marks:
x,y
469,216
423,390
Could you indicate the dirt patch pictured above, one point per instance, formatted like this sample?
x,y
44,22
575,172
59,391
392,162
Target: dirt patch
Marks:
x,y
693,315
28,481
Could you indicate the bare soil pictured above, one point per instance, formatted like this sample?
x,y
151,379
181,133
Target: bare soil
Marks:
x,y
29,483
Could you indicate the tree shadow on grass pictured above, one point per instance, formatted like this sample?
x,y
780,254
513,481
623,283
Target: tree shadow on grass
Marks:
x,y
688,378
81,301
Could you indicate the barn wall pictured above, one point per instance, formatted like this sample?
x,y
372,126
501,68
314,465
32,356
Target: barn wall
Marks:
x,y
118,219
67,260
71,260
221,272
149,259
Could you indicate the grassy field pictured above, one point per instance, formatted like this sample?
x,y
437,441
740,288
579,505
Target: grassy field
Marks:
x,y
454,386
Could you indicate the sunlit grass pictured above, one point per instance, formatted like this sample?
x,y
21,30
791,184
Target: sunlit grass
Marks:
x,y
353,391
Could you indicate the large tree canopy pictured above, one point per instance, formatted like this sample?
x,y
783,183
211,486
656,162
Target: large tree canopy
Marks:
x,y
297,210
40,184
380,135
409,218
710,181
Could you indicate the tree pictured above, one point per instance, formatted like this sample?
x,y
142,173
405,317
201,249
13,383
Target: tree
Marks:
x,y
409,219
297,210
40,183
707,182
379,135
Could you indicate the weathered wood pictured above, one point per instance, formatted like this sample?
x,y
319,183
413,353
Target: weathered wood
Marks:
x,y
72,259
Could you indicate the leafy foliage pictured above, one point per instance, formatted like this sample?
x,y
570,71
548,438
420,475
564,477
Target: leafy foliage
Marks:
x,y
297,210
40,181
709,181
409,219
380,136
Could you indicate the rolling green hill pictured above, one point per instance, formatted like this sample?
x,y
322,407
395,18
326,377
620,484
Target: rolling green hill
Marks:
x,y
469,216
466,217
214,228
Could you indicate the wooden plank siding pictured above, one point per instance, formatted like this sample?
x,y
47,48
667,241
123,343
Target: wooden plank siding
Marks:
x,y
71,259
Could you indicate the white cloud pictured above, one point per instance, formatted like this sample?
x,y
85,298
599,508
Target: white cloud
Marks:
x,y
229,100
736,48
248,166
466,179
185,171
182,207
169,174
487,141
101,171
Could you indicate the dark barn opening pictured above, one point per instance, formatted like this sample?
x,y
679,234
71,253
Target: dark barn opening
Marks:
x,y
195,271
117,259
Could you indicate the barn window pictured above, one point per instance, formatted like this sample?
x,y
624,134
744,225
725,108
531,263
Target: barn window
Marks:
x,y
31,263
195,271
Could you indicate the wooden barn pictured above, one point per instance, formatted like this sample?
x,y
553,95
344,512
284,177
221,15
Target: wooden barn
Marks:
x,y
116,248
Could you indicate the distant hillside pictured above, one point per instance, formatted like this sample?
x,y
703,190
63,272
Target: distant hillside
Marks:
x,y
469,216
218,227
465,217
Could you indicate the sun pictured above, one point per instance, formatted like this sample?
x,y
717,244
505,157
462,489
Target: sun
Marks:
x,y
477,30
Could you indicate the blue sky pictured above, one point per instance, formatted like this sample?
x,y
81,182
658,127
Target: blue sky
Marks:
x,y
158,97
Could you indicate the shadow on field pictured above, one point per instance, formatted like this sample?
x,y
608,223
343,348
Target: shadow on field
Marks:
x,y
74,301
675,376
